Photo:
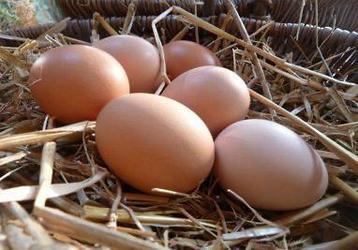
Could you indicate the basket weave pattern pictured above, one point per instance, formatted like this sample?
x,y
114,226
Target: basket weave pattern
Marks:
x,y
333,13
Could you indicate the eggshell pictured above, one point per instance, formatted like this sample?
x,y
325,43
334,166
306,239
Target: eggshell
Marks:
x,y
150,141
72,83
218,95
268,165
139,58
181,56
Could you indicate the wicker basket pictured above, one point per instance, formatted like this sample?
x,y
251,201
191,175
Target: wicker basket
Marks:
x,y
333,13
280,37
85,9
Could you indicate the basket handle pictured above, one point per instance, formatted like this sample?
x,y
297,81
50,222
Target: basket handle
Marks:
x,y
209,7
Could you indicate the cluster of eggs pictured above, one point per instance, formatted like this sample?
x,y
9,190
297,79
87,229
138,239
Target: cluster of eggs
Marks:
x,y
175,140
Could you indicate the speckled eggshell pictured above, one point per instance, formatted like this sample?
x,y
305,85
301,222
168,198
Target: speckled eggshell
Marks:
x,y
181,56
151,141
218,95
139,58
269,165
72,83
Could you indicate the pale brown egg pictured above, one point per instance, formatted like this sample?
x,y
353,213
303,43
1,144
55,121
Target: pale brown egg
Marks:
x,y
72,83
151,141
139,58
269,165
181,56
218,95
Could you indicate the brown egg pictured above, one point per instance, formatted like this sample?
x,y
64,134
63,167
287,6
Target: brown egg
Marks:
x,y
218,95
73,83
151,141
181,56
268,165
139,58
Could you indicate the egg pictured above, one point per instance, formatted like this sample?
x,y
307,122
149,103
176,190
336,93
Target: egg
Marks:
x,y
151,141
181,56
269,165
72,83
218,95
139,58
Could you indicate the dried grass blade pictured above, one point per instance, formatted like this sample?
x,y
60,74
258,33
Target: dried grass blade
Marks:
x,y
47,161
9,173
301,81
317,74
147,218
192,19
13,38
101,213
279,61
258,68
57,221
29,192
105,24
181,34
348,191
341,104
305,213
170,192
63,203
12,158
328,155
145,197
36,137
57,28
136,232
253,233
163,77
128,21
196,222
266,26
323,214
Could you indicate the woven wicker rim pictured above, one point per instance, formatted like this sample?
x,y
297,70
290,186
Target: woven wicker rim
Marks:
x,y
280,36
333,13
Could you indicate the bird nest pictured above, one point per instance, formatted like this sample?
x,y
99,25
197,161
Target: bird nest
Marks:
x,y
308,88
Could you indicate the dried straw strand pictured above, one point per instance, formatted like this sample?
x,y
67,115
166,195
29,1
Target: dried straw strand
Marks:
x,y
293,219
46,171
128,22
278,61
257,65
76,228
105,24
348,191
37,137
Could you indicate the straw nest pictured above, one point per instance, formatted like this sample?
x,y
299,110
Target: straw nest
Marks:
x,y
87,207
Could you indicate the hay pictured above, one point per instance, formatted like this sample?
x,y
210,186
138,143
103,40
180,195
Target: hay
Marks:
x,y
92,207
